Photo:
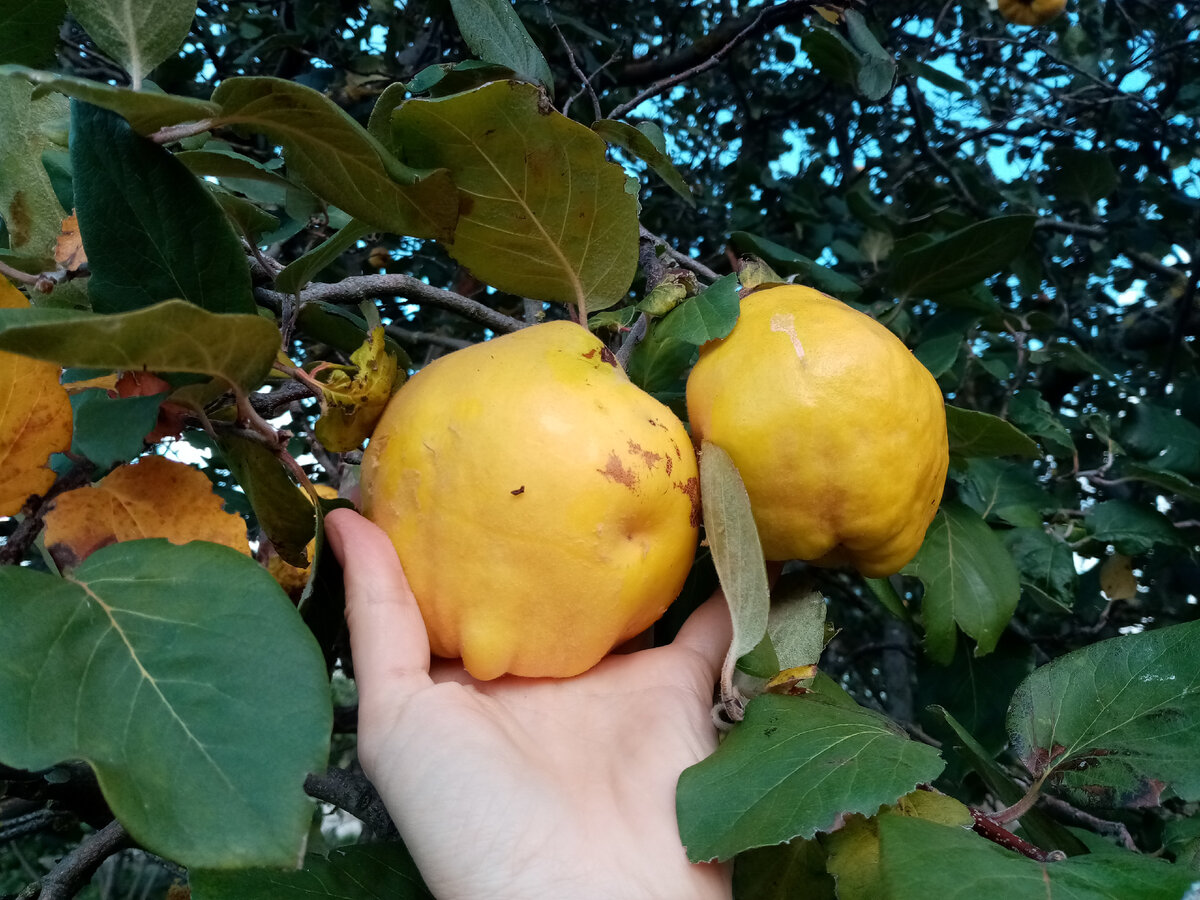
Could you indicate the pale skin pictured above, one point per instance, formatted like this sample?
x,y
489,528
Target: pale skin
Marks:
x,y
529,788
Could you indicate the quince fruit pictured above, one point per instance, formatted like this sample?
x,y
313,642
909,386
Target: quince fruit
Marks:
x,y
1031,12
545,509
839,433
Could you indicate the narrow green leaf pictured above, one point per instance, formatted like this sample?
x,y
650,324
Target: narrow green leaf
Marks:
x,y
974,433
1116,723
360,872
970,581
543,213
1047,566
229,166
1172,482
937,77
889,597
708,316
791,768
1133,528
789,262
961,259
151,230
495,33
29,207
138,34
1031,413
921,859
299,272
148,663
877,69
736,551
322,604
338,159
248,218
146,111
282,508
173,336
29,31
636,141
341,329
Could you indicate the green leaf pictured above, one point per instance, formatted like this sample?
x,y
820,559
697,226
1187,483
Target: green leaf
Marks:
x,y
792,768
1004,490
322,604
1163,439
921,859
783,872
148,663
151,230
1084,176
961,259
831,54
937,77
1172,482
1033,414
173,336
658,364
974,433
495,33
282,508
543,213
636,141
736,552
138,34
1047,566
889,597
341,329
300,272
1133,528
360,872
789,262
337,158
970,580
29,31
877,69
110,430
248,218
146,111
28,205
1116,723
708,316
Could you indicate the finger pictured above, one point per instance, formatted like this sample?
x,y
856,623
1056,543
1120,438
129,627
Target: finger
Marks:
x,y
708,632
387,635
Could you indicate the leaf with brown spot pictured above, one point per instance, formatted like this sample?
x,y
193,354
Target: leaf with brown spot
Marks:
x,y
35,419
152,498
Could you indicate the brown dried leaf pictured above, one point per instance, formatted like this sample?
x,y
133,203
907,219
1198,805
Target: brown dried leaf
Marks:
x,y
1117,579
68,248
35,419
152,498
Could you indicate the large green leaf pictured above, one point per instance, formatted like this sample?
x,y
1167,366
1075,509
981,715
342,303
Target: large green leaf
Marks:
x,y
921,859
28,205
494,31
29,31
173,336
1132,528
543,213
338,159
1047,566
783,872
109,430
151,230
645,141
961,259
708,316
1008,491
1116,723
970,580
138,34
183,675
974,433
361,872
146,111
792,768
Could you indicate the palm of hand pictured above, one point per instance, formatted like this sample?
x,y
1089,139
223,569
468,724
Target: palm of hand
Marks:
x,y
530,787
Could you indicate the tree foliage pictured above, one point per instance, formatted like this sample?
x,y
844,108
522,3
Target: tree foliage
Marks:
x,y
280,210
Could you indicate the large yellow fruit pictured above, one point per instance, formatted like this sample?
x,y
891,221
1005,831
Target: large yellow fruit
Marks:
x,y
544,508
1031,12
838,431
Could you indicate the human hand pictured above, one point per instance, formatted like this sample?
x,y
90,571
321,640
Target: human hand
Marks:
x,y
525,787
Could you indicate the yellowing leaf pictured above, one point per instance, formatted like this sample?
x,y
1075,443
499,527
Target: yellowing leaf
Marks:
x,y
293,579
1117,579
68,248
152,498
352,404
35,419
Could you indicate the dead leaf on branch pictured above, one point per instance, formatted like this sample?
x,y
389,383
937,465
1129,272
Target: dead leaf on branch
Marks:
x,y
35,419
152,498
353,397
68,248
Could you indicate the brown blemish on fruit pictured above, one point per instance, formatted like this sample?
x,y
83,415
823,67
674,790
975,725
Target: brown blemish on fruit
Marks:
x,y
616,471
608,356
518,492
691,488
649,457
670,464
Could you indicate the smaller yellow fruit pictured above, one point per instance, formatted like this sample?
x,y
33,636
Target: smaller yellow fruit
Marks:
x,y
1031,12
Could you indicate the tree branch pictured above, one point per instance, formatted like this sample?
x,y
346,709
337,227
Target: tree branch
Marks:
x,y
76,869
367,287
354,793
35,509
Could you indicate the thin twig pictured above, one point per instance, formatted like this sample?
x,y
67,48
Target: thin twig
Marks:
x,y
17,274
587,82
352,792
683,259
986,826
35,509
76,869
357,288
671,80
